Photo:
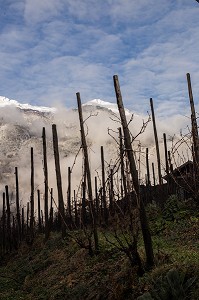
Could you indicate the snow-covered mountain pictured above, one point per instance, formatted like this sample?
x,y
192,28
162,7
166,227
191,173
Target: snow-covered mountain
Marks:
x,y
9,102
112,107
21,128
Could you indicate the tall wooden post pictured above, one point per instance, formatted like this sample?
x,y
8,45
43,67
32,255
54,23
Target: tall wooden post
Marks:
x,y
166,153
134,175
111,192
88,173
4,225
123,177
153,170
32,196
39,211
104,204
194,135
22,223
76,211
27,217
61,217
83,212
69,198
8,219
156,142
97,200
17,204
51,208
147,167
170,163
47,229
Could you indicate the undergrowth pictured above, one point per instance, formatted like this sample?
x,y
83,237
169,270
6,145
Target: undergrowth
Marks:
x,y
60,269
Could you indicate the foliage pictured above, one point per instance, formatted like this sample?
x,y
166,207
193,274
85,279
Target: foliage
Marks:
x,y
171,207
61,269
172,286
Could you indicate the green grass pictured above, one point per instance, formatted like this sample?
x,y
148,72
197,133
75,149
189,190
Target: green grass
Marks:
x,y
60,269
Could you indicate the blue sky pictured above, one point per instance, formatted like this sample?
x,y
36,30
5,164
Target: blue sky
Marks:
x,y
51,49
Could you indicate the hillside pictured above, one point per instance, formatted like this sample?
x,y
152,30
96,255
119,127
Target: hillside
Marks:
x,y
60,269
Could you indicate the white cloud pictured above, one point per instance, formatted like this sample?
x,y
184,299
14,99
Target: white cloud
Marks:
x,y
69,46
39,11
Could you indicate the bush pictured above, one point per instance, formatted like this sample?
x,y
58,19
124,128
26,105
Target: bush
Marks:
x,y
172,286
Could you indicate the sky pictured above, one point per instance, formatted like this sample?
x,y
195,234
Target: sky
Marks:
x,y
51,49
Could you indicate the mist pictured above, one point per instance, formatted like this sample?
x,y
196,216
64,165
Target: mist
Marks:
x,y
20,130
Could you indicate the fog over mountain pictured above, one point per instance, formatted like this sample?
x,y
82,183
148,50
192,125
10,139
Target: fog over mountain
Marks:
x,y
21,128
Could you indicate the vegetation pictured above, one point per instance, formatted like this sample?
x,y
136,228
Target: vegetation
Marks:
x,y
60,269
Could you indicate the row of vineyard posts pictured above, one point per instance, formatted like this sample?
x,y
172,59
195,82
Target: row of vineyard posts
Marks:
x,y
116,192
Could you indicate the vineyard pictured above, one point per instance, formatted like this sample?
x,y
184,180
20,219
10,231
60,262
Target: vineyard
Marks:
x,y
114,209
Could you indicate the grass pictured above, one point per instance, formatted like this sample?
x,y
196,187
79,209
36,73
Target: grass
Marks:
x,y
59,269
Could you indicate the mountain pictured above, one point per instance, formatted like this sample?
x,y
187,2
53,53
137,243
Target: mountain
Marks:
x,y
100,104
9,102
21,128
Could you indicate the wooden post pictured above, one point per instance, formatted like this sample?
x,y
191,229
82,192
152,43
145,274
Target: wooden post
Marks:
x,y
8,219
156,142
39,211
97,200
105,211
22,223
32,196
47,229
147,167
148,181
166,153
111,192
170,164
76,212
194,135
153,170
51,208
193,120
69,198
123,177
134,175
4,225
27,217
88,173
17,204
61,216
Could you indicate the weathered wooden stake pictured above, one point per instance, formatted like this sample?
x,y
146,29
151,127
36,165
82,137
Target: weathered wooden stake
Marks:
x,y
8,219
88,173
123,177
153,170
32,197
104,204
156,142
61,216
134,175
39,211
22,223
51,208
194,135
17,204
69,198
47,229
4,225
147,167
166,153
